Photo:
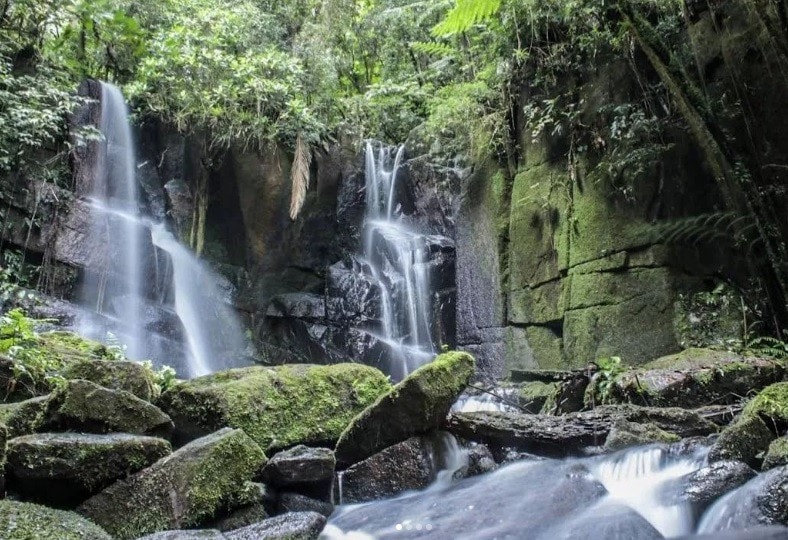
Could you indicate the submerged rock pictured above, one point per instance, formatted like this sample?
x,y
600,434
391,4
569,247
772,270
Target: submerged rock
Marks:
x,y
85,406
402,467
27,521
299,465
777,454
278,407
65,468
293,526
184,489
23,417
414,406
116,375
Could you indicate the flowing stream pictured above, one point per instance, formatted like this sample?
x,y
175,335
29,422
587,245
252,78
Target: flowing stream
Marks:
x,y
144,287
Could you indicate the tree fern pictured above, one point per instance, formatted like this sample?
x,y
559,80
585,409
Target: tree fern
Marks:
x,y
433,49
465,14
299,176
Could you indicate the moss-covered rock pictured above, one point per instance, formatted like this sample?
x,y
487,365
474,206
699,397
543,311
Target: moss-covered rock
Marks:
x,y
743,441
414,406
182,490
62,469
534,395
278,407
116,375
27,521
691,378
777,454
625,434
85,406
23,417
771,404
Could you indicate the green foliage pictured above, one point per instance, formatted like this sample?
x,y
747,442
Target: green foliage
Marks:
x,y
767,346
164,377
608,371
465,14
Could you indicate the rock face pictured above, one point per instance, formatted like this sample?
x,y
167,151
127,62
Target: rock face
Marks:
x,y
569,434
415,406
278,407
83,405
293,526
299,465
26,521
402,467
182,490
66,468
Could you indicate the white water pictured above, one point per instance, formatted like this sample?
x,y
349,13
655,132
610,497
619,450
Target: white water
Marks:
x,y
398,257
132,277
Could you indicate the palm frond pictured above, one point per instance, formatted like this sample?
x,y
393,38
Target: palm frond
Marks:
x,y
299,175
464,15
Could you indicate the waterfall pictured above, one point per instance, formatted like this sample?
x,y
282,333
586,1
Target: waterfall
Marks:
x,y
398,257
141,284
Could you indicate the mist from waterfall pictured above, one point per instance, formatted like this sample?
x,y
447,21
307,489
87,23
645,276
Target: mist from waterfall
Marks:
x,y
142,286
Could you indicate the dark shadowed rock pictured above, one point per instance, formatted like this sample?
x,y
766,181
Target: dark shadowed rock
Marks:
x,y
85,406
27,521
706,485
777,455
182,490
297,502
402,467
299,465
416,405
293,526
242,517
65,468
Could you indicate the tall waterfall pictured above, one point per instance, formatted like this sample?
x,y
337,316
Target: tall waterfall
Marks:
x,y
141,284
398,257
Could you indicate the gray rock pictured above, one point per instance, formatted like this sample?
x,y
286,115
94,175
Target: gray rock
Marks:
x,y
62,469
480,461
294,526
625,434
299,465
28,521
204,534
242,517
297,502
706,485
401,467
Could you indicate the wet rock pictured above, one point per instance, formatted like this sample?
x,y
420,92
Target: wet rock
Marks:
x,y
297,502
705,485
416,405
354,295
204,534
480,460
569,434
624,434
299,465
777,454
293,526
608,521
115,375
182,490
278,407
691,378
23,417
742,441
62,469
26,521
401,467
297,305
754,533
85,406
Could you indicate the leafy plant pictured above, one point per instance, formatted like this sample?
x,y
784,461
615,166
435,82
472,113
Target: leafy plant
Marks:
x,y
608,371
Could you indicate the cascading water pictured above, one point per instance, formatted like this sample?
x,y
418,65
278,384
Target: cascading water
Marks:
x,y
398,258
140,277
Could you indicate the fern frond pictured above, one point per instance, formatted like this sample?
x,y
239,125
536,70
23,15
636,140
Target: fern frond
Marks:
x,y
299,175
433,49
464,15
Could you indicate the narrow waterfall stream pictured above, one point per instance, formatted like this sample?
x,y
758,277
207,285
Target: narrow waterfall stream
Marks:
x,y
398,257
629,495
147,289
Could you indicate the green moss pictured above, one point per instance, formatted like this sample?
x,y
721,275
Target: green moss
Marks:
x,y
26,521
119,375
625,434
535,395
777,455
278,407
771,403
23,417
743,441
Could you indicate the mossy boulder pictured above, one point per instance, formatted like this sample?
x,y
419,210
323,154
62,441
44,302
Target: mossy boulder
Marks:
x,y
771,404
625,434
414,406
23,417
116,375
743,441
688,379
27,521
278,407
85,406
777,454
62,469
182,490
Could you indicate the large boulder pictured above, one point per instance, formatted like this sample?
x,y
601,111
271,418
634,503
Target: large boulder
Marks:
x,y
63,469
405,466
293,526
85,406
278,407
27,521
414,406
23,417
743,441
298,466
182,490
709,483
116,375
